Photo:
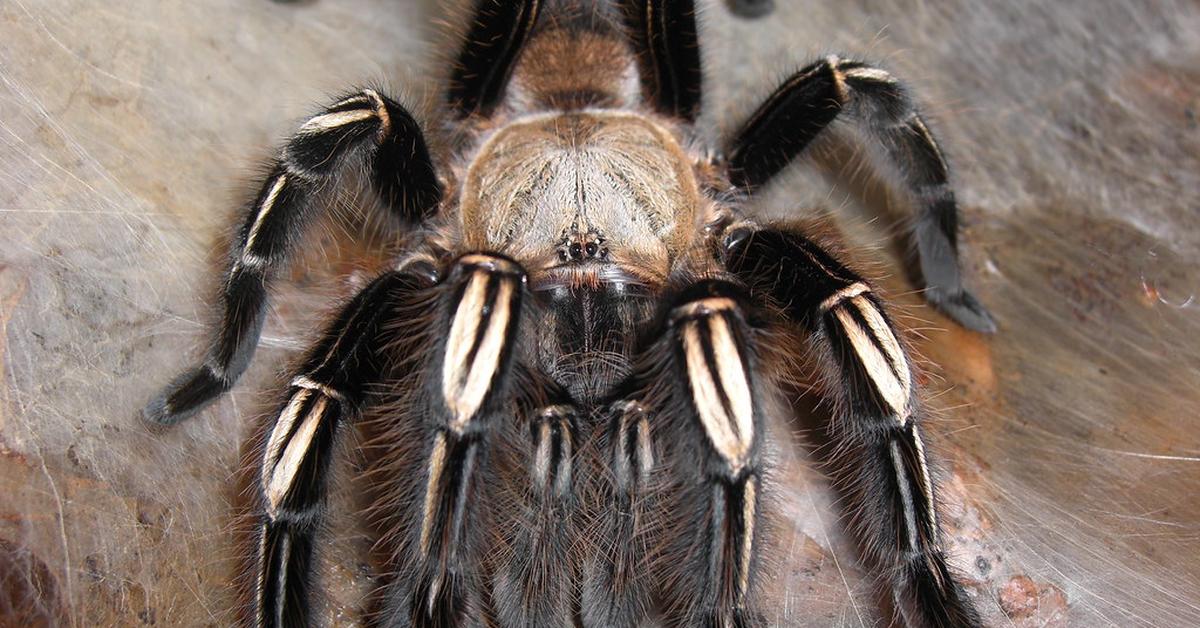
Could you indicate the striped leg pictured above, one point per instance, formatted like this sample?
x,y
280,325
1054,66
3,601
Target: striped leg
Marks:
x,y
489,52
615,591
877,422
366,123
665,35
331,385
808,103
703,395
535,586
441,555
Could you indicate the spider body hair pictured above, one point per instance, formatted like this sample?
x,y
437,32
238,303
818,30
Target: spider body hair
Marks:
x,y
565,383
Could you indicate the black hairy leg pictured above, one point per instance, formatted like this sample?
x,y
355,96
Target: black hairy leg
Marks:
x,y
331,385
615,588
876,420
665,36
464,393
807,103
364,124
499,30
536,571
698,379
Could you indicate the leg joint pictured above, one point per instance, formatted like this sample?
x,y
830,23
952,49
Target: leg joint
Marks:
x,y
708,297
849,292
713,349
862,84
324,139
802,277
871,354
633,450
486,310
303,381
296,453
553,434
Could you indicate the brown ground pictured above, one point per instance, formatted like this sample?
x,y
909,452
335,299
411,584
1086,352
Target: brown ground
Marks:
x,y
128,128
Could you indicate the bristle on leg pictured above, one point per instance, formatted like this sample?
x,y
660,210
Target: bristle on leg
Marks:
x,y
876,423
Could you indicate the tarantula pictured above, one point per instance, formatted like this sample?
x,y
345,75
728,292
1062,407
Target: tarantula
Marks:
x,y
571,366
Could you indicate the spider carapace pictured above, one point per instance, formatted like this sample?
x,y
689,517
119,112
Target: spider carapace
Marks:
x,y
567,374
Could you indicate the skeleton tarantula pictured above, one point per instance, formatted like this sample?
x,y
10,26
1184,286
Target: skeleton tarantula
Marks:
x,y
569,370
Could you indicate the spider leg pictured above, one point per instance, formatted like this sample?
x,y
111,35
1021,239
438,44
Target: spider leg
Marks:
x,y
439,583
698,381
665,36
366,123
534,585
615,590
491,48
331,385
806,104
877,419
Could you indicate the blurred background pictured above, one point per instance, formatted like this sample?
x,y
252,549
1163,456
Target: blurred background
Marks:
x,y
130,132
